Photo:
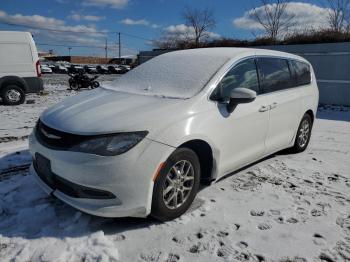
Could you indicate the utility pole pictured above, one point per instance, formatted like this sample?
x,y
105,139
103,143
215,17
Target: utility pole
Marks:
x,y
69,48
106,48
119,46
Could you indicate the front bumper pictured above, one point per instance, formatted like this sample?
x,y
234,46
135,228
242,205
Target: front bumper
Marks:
x,y
127,176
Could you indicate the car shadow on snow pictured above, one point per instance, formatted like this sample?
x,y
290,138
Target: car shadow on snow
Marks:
x,y
12,163
27,211
280,153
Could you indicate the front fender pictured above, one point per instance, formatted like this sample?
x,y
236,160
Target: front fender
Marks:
x,y
187,130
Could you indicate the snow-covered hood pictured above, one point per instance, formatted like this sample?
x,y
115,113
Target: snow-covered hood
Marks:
x,y
102,111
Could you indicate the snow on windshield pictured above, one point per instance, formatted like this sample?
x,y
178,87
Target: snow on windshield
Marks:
x,y
176,75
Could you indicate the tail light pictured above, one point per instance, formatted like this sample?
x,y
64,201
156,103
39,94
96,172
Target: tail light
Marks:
x,y
38,69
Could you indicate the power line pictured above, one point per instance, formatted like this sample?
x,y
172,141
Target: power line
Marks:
x,y
134,36
53,29
77,46
70,47
77,31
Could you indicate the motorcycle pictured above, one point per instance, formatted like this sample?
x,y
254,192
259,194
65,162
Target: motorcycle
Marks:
x,y
81,80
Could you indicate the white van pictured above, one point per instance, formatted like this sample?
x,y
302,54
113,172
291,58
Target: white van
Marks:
x,y
19,67
185,116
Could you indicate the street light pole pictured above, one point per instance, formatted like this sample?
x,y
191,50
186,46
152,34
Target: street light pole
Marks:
x,y
119,46
106,48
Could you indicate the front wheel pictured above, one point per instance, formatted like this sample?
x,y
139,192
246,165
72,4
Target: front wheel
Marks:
x,y
303,136
176,185
95,84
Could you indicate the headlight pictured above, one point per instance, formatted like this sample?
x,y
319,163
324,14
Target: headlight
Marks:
x,y
110,145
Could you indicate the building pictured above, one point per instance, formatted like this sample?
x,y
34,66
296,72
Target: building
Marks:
x,y
144,56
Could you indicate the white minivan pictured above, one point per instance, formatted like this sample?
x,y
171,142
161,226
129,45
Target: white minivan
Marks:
x,y
142,144
19,67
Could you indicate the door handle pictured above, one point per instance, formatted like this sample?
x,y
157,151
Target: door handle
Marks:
x,y
273,105
263,109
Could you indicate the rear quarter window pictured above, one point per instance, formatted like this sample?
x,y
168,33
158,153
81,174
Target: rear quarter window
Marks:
x,y
302,73
15,53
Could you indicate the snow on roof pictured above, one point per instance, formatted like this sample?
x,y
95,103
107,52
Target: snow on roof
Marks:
x,y
178,74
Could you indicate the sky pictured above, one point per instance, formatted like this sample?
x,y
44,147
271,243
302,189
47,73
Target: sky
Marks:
x,y
86,25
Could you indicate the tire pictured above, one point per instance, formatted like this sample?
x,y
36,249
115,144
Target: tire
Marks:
x,y
303,136
164,207
12,95
95,84
73,85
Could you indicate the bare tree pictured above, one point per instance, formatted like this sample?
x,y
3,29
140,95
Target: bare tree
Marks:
x,y
168,42
272,16
174,39
201,20
338,14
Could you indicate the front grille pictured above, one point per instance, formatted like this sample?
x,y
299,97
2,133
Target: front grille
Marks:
x,y
68,188
55,139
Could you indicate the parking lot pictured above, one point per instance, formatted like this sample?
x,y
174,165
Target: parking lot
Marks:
x,y
56,80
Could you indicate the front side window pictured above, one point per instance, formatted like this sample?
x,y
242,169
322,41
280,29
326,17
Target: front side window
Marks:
x,y
276,74
302,73
243,75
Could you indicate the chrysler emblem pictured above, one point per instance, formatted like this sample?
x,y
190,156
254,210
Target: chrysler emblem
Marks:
x,y
49,135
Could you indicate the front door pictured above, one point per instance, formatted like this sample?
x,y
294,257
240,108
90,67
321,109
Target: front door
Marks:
x,y
240,135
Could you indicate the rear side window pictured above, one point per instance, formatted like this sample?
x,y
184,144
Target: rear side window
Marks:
x,y
302,74
275,74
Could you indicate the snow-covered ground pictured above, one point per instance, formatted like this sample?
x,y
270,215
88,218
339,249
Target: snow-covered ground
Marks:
x,y
285,208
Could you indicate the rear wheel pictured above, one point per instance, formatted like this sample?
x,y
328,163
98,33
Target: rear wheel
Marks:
x,y
95,84
176,186
73,85
12,95
303,135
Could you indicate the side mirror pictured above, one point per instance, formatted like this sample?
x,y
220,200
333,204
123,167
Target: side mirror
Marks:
x,y
240,96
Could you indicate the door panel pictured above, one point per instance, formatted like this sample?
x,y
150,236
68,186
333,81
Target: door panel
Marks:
x,y
245,141
239,135
284,113
283,100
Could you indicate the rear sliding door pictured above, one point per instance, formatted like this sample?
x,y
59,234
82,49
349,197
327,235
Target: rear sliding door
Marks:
x,y
278,85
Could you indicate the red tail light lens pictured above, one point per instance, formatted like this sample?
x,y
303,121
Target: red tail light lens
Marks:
x,y
38,69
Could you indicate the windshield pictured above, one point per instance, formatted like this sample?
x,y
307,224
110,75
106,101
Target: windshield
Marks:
x,y
170,75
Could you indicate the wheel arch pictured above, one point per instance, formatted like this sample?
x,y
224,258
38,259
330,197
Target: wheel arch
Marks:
x,y
311,114
13,80
206,157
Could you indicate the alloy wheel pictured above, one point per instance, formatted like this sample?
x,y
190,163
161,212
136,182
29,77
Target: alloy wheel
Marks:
x,y
304,133
178,184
